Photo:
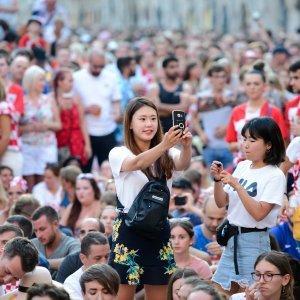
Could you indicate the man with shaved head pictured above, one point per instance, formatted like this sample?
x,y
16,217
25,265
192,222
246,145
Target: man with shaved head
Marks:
x,y
72,262
99,91
18,67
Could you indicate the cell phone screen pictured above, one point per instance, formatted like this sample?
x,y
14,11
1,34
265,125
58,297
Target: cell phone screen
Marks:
x,y
178,119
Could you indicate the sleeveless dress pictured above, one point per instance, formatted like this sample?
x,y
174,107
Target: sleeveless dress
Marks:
x,y
70,135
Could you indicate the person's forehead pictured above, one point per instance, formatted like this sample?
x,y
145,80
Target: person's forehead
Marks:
x,y
42,221
93,285
7,235
90,225
96,250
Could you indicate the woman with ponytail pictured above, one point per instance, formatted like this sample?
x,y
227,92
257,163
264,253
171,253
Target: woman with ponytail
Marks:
x,y
73,138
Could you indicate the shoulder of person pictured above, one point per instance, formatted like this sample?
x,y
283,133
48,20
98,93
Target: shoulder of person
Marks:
x,y
293,149
118,150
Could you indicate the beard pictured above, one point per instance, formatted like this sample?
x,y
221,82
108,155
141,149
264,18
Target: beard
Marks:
x,y
95,73
172,76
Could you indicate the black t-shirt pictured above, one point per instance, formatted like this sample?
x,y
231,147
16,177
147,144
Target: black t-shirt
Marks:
x,y
169,98
70,264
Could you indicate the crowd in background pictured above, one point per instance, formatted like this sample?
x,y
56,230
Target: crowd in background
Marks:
x,y
62,102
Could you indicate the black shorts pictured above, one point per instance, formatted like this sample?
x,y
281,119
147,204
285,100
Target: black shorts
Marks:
x,y
139,260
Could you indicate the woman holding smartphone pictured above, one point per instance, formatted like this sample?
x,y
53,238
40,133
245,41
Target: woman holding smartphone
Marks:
x,y
254,195
147,154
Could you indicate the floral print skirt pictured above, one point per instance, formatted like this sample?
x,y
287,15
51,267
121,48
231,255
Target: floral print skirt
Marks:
x,y
139,260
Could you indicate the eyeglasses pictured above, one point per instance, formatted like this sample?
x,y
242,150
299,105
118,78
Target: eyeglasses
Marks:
x,y
267,277
85,176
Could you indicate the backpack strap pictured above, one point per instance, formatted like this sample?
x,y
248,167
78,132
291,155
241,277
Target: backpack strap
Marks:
x,y
120,206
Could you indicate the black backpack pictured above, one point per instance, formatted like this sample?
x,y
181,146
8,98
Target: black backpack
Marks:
x,y
149,210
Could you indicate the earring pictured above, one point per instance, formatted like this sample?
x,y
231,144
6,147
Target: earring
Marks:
x,y
283,289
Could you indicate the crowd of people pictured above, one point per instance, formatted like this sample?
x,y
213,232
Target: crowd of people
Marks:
x,y
85,125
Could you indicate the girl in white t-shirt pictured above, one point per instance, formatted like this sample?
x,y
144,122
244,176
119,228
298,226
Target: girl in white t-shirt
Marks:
x,y
254,195
147,153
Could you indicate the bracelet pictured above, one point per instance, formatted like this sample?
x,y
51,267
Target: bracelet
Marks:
x,y
217,180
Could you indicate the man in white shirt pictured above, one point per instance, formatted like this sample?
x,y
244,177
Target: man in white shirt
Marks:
x,y
94,250
100,94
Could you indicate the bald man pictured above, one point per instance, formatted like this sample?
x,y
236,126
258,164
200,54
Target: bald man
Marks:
x,y
18,67
100,94
205,234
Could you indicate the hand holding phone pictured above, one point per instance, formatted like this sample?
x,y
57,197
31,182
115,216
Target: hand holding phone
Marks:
x,y
180,200
178,118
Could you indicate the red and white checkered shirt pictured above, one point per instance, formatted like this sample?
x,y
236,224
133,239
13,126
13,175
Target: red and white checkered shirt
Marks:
x,y
6,108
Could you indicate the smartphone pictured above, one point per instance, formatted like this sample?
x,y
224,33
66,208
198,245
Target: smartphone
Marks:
x,y
178,117
180,200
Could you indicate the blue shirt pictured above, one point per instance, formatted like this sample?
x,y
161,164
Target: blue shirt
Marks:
x,y
285,239
200,240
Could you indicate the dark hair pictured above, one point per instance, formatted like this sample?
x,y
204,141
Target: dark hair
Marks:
x,y
104,275
54,168
164,165
25,205
11,228
6,168
207,288
69,160
188,69
23,248
47,211
182,183
268,130
53,292
295,66
281,262
179,273
168,60
23,222
215,69
257,69
184,224
92,238
76,206
4,54
124,62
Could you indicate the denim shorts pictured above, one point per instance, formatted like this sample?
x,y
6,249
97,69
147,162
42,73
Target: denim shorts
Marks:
x,y
250,246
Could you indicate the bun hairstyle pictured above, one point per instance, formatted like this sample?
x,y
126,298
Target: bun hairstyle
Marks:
x,y
259,68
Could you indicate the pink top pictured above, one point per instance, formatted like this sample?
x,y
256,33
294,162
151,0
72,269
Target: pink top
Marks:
x,y
200,266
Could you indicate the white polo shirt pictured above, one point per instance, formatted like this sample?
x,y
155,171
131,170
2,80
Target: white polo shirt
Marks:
x,y
101,90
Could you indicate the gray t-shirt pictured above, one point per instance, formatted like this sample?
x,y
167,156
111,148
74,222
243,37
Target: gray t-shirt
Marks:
x,y
66,246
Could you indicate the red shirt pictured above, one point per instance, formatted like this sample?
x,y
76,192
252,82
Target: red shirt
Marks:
x,y
292,112
238,120
25,42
